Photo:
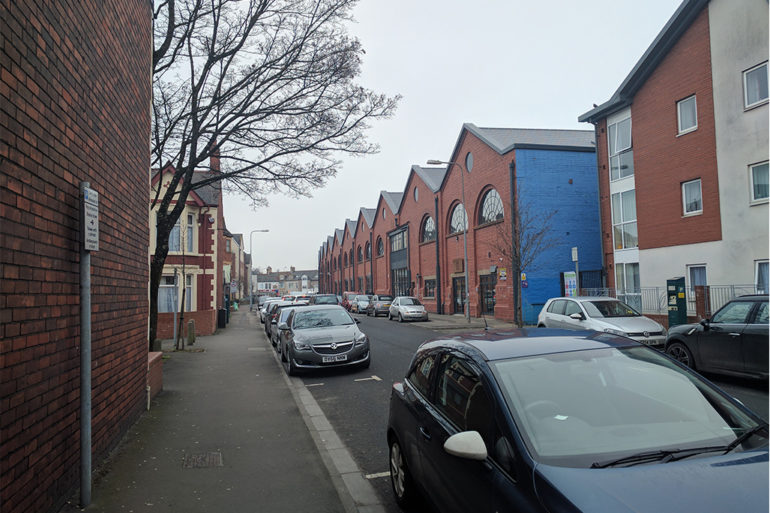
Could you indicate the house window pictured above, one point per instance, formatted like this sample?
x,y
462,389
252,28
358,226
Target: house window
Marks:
x,y
416,194
173,238
491,207
428,230
351,256
692,198
383,212
755,86
380,247
628,285
429,289
360,254
189,233
346,260
761,276
621,152
459,221
368,251
624,220
687,114
398,241
188,292
759,182
697,276
227,246
167,294
469,162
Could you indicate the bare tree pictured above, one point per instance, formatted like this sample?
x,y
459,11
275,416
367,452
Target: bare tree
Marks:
x,y
522,244
267,87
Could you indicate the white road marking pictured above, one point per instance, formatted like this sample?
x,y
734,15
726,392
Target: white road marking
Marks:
x,y
314,385
375,476
373,378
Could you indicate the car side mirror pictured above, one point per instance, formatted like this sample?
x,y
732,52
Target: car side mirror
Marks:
x,y
577,316
468,445
358,321
706,323
283,326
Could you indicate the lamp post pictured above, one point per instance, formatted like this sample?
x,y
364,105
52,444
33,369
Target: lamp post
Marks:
x,y
251,291
465,231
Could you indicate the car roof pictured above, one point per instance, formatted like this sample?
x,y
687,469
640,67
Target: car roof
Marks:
x,y
587,298
322,307
751,297
519,342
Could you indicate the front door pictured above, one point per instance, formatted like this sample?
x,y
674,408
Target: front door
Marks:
x,y
458,294
487,285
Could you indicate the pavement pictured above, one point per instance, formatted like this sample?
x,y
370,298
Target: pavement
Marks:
x,y
232,432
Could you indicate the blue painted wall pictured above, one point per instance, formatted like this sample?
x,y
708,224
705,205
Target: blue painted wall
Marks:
x,y
543,181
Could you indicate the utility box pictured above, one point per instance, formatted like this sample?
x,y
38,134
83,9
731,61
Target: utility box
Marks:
x,y
677,301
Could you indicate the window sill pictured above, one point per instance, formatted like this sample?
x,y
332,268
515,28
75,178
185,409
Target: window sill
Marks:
x,y
754,203
692,214
489,223
747,108
425,243
688,131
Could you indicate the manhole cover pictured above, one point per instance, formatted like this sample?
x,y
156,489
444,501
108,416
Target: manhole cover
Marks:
x,y
204,460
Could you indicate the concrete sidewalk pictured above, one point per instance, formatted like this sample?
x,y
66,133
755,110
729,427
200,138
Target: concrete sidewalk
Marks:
x,y
224,435
460,322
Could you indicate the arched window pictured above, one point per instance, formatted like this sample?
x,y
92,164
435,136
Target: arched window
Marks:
x,y
346,260
360,254
368,251
351,256
428,230
491,207
380,247
458,221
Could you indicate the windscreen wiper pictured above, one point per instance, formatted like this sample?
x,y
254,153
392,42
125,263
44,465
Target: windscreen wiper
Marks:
x,y
745,436
640,457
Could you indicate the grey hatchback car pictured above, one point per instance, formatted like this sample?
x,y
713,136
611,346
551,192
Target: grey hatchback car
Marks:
x,y
320,336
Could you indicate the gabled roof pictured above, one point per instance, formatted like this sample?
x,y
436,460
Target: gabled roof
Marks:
x,y
368,214
351,224
503,140
340,234
393,199
677,25
432,176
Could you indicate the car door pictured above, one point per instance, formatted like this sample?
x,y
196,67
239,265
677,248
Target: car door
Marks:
x,y
393,309
554,313
460,403
756,338
720,343
572,307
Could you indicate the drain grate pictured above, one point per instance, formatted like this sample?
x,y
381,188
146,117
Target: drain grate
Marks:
x,y
204,460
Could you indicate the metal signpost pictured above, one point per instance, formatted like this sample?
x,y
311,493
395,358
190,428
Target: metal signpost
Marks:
x,y
89,235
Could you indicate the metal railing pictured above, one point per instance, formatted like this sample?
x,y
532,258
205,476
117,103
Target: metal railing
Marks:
x,y
654,300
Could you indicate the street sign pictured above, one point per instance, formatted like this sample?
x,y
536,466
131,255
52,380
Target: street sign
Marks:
x,y
91,219
574,254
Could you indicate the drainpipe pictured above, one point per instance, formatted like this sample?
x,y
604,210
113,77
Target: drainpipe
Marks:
x,y
439,306
516,272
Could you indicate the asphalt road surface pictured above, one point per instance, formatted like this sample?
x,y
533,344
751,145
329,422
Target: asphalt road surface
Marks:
x,y
356,402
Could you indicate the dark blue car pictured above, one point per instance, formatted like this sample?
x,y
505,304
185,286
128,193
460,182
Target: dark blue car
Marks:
x,y
566,421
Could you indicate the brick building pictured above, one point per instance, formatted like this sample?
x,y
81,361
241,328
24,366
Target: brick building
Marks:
x,y
75,96
417,239
683,156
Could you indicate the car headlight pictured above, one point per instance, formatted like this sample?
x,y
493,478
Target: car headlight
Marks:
x,y
615,332
360,339
301,345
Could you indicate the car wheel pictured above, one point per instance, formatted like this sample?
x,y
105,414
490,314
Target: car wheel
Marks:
x,y
282,353
400,317
541,325
400,479
366,364
289,366
680,353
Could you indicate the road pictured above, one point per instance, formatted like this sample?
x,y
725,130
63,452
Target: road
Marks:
x,y
356,401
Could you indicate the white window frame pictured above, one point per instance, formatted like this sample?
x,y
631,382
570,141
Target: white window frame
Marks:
x,y
167,288
619,151
754,200
189,292
175,238
190,230
761,101
685,213
757,264
690,284
679,106
623,221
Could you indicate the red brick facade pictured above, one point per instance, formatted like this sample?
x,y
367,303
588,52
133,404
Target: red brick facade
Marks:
x,y
76,91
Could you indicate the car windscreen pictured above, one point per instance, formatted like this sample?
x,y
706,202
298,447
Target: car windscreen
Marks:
x,y
363,298
601,308
410,301
325,300
385,299
578,408
321,319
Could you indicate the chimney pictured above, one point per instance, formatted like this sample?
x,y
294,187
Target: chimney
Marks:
x,y
292,268
269,269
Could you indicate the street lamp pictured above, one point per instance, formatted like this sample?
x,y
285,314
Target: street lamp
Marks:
x,y
465,230
251,286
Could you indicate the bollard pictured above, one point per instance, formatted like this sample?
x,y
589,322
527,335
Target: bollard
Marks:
x,y
191,332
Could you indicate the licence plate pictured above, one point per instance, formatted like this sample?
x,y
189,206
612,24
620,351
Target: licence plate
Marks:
x,y
337,358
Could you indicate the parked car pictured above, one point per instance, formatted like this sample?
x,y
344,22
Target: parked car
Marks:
x,y
380,304
407,308
347,299
320,336
270,314
263,310
544,420
733,341
324,299
281,315
605,314
360,303
301,298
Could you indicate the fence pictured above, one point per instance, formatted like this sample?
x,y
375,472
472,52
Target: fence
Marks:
x,y
654,300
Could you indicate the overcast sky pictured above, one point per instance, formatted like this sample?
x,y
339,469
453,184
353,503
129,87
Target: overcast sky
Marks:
x,y
493,63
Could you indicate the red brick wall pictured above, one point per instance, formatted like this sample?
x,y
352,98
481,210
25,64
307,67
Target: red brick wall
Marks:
x,y
604,200
380,228
662,160
75,87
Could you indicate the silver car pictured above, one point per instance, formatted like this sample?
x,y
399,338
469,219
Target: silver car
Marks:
x,y
319,336
605,314
407,308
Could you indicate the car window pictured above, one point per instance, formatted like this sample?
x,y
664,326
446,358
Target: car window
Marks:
x,y
609,308
386,298
420,375
762,314
557,307
309,319
572,307
734,312
395,302
410,301
462,398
